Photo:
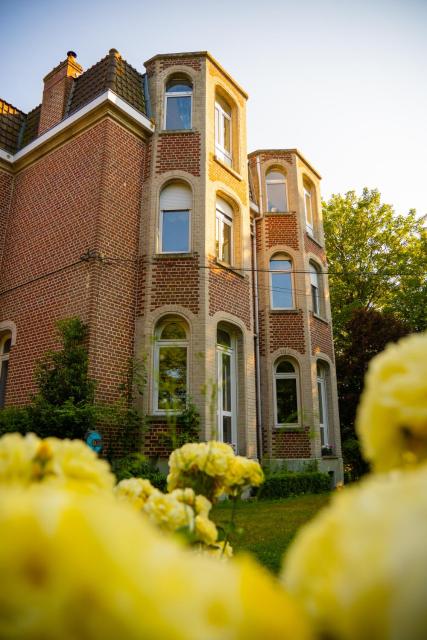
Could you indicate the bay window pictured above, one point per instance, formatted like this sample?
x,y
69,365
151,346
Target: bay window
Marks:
x,y
281,282
223,131
224,231
170,366
286,394
174,225
178,104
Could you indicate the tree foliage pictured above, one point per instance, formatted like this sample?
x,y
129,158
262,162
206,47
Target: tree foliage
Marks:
x,y
368,333
376,259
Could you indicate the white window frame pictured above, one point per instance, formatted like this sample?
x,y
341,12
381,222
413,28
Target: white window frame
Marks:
x,y
286,376
231,351
322,391
221,152
178,94
309,225
159,343
220,219
276,181
4,357
291,280
162,211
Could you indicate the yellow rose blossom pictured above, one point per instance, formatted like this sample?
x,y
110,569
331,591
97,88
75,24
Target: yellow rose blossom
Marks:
x,y
243,473
76,565
360,567
205,530
168,512
392,415
17,458
135,491
27,459
216,550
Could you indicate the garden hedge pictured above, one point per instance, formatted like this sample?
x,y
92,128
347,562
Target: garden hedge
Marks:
x,y
286,484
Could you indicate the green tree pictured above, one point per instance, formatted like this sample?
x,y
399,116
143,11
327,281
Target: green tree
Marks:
x,y
375,259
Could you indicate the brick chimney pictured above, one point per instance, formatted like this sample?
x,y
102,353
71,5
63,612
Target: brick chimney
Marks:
x,y
57,87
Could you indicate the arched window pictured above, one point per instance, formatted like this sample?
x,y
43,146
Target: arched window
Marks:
x,y
223,131
5,344
309,207
315,288
322,392
281,282
224,231
174,225
277,199
286,394
170,366
178,104
227,388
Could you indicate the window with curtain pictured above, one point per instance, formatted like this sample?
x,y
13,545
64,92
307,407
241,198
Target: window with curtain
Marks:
x,y
286,392
224,231
281,282
223,131
178,104
175,209
5,345
276,191
170,366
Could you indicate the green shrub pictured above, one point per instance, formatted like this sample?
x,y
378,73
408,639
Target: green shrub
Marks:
x,y
136,465
287,484
14,419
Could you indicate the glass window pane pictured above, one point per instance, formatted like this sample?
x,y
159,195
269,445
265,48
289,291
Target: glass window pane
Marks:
x,y
3,380
315,299
175,232
287,404
178,112
178,86
308,210
320,395
281,290
277,176
276,197
227,134
7,345
223,338
226,429
280,265
226,244
173,331
226,381
285,367
172,378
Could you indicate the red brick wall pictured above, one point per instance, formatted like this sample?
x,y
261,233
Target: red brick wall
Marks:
x,y
290,445
321,337
282,229
194,63
229,292
86,194
175,281
156,438
178,151
313,247
6,184
287,330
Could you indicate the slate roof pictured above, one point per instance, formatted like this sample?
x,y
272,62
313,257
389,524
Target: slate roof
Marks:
x,y
18,129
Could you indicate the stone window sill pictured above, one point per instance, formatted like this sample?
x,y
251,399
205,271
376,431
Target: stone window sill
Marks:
x,y
324,320
290,429
165,256
315,240
284,311
275,214
222,164
228,267
165,132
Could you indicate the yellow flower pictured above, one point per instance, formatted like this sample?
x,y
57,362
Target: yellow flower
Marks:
x,y
168,512
27,459
17,458
205,530
216,550
76,565
360,566
392,415
135,491
243,473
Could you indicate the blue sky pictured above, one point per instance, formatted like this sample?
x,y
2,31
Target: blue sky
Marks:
x,y
343,81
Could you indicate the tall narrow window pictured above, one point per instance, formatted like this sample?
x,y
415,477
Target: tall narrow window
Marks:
x,y
308,206
276,191
170,367
5,344
286,394
223,131
281,282
226,384
224,231
178,100
323,404
175,207
315,289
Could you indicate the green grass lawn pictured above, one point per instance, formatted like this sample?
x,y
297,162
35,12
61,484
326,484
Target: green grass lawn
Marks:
x,y
269,525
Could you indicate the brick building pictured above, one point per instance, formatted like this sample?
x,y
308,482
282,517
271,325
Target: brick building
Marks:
x,y
129,199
